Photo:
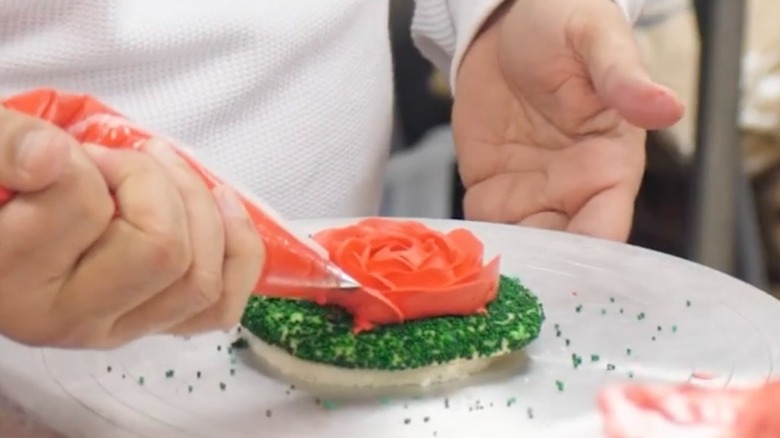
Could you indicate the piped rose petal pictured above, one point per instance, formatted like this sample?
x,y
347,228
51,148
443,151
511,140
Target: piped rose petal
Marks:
x,y
411,271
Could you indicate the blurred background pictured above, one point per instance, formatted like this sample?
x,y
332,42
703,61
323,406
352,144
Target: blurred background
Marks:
x,y
711,192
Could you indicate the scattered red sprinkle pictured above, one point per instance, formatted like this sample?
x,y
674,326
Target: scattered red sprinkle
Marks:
x,y
574,293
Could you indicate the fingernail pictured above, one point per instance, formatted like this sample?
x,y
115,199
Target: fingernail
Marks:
x,y
162,151
230,203
30,147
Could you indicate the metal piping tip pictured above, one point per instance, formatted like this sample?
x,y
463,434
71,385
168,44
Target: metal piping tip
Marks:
x,y
343,280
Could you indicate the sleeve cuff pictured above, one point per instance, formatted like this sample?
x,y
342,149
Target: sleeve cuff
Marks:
x,y
443,29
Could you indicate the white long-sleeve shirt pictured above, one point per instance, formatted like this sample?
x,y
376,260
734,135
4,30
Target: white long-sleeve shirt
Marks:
x,y
291,99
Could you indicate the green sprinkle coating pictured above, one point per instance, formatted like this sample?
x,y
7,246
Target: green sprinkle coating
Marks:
x,y
169,374
222,386
674,329
595,358
641,316
141,380
568,342
324,334
578,308
628,352
511,401
559,385
610,367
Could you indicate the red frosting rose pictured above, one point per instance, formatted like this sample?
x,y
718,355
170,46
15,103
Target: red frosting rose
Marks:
x,y
410,271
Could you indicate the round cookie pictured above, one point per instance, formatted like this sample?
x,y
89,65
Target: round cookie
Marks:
x,y
308,342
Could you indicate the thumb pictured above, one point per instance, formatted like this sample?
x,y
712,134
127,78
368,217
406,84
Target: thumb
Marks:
x,y
33,153
611,56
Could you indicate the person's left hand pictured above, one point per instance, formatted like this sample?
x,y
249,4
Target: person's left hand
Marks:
x,y
551,106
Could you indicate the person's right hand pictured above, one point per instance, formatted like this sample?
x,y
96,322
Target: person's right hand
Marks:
x,y
178,259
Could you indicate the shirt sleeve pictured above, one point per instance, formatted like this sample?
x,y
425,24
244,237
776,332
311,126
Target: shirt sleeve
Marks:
x,y
443,29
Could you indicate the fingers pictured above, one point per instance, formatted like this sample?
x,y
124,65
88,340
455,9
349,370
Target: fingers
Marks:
x,y
244,257
141,253
202,285
32,152
604,39
45,232
608,215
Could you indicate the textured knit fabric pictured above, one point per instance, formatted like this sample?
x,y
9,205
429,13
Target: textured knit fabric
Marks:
x,y
291,99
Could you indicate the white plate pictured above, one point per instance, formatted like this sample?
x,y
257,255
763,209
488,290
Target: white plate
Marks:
x,y
682,322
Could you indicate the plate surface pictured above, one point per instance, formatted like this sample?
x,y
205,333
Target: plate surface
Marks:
x,y
614,313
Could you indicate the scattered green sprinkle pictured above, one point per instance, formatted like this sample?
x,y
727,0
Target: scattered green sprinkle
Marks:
x,y
529,413
659,328
190,389
222,386
653,338
232,371
240,343
610,367
595,358
603,311
630,374
621,311
230,350
559,385
407,420
169,374
568,342
641,316
384,401
688,303
578,308
611,299
141,380
198,374
219,348
511,401
426,419
576,360
628,352
330,405
674,329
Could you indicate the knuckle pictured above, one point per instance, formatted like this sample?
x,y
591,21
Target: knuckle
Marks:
x,y
169,252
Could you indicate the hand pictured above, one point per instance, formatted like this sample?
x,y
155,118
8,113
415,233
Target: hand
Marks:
x,y
551,104
71,275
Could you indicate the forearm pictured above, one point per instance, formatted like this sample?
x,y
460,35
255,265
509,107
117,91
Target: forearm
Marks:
x,y
444,29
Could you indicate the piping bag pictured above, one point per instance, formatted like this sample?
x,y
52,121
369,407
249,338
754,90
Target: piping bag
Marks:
x,y
293,263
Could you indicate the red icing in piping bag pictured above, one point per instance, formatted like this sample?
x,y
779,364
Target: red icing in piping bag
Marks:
x,y
291,262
